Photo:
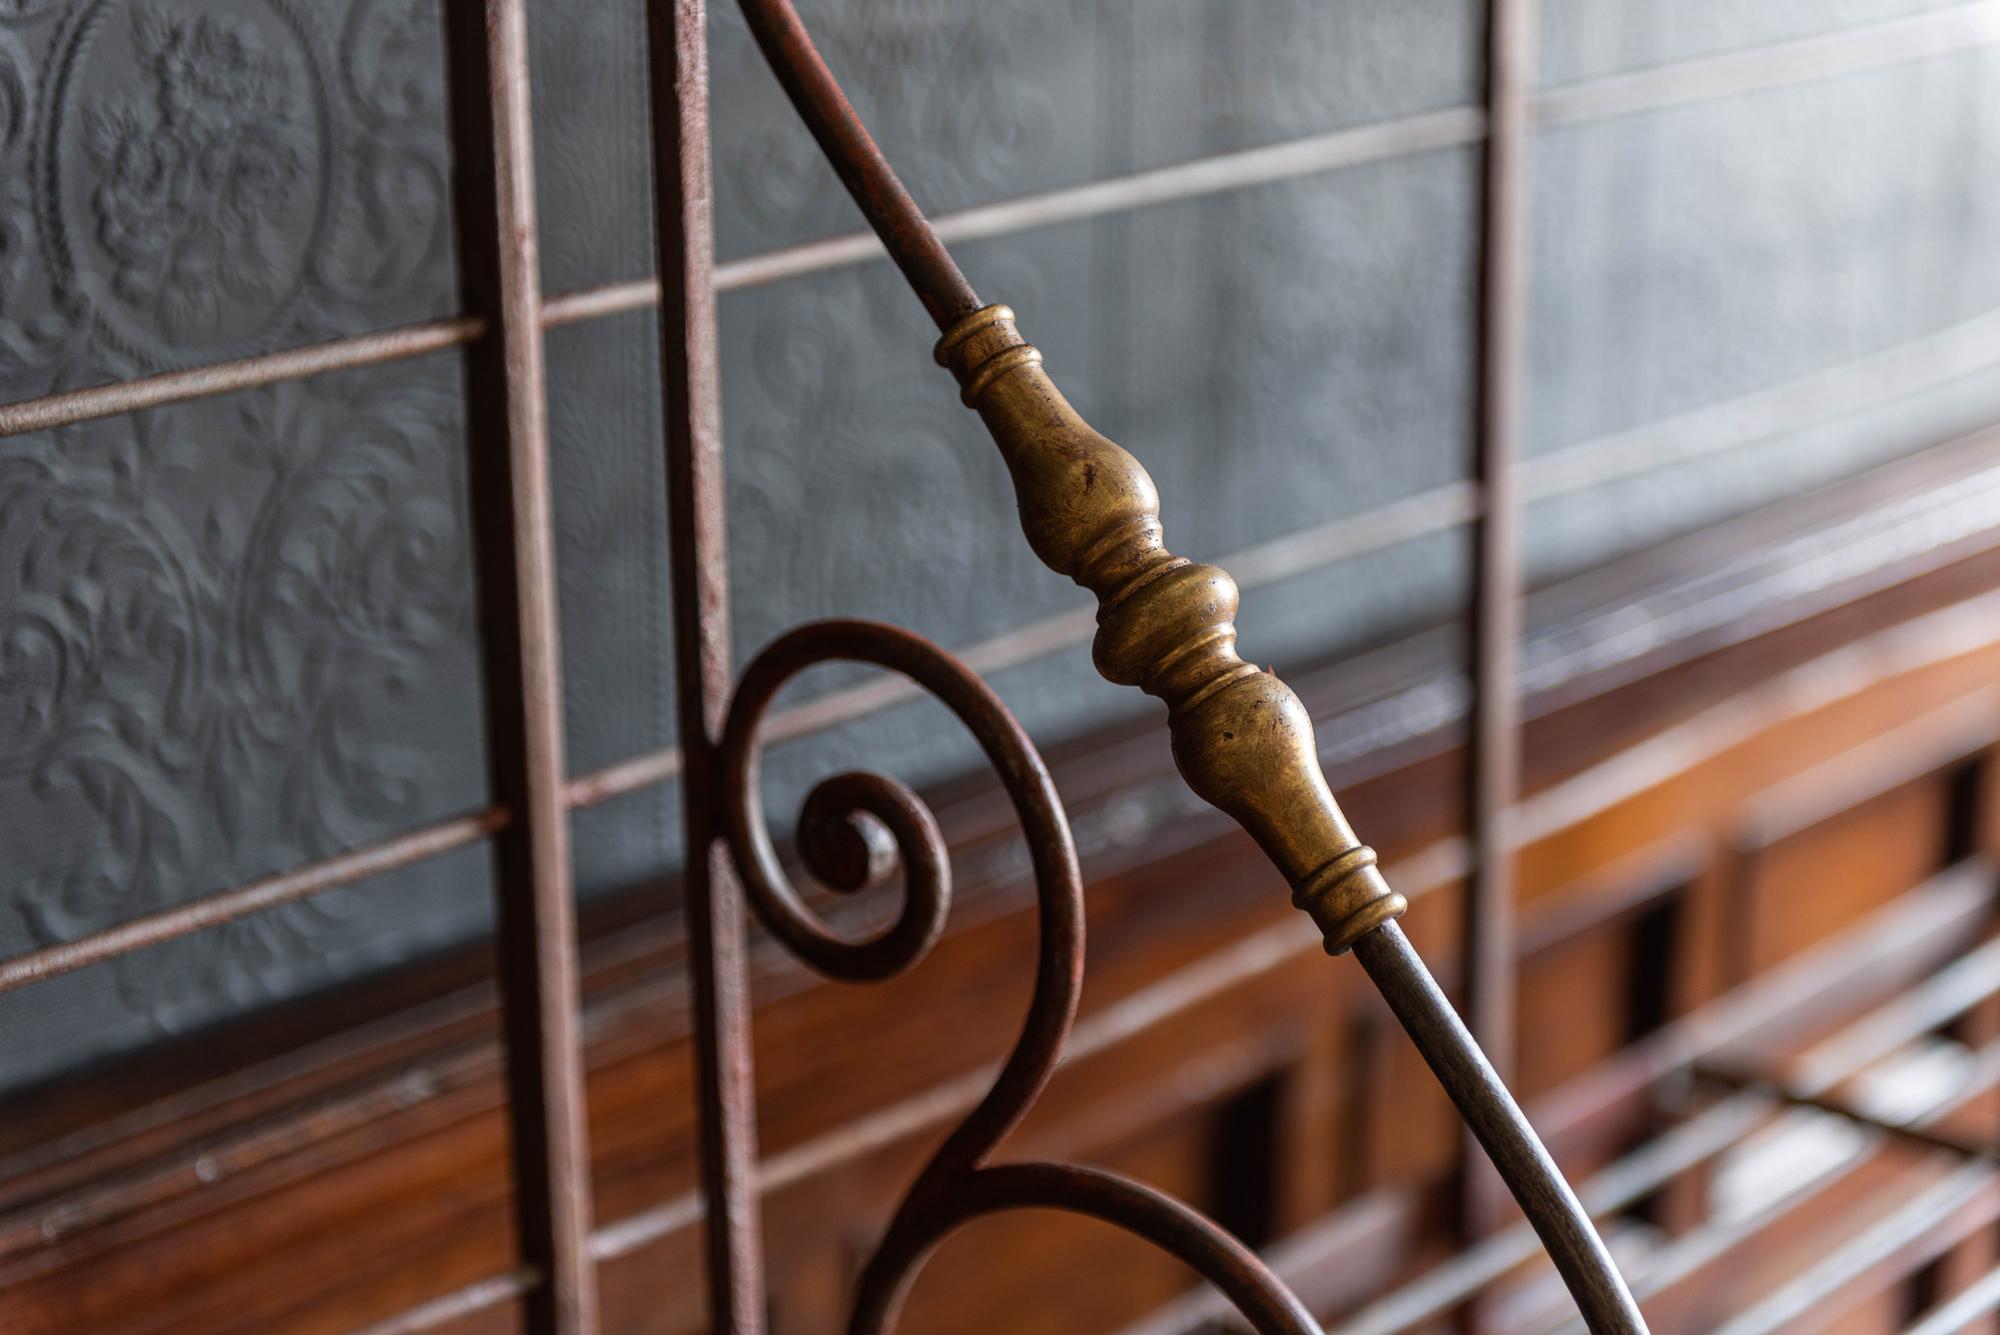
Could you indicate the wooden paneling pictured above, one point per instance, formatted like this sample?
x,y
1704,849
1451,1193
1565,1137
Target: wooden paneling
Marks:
x,y
1804,887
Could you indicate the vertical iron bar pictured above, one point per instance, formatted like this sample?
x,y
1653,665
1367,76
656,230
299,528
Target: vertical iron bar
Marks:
x,y
697,550
1493,748
507,427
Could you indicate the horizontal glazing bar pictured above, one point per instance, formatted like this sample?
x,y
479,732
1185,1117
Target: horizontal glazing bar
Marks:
x,y
203,382
1240,170
1978,1299
1434,511
252,897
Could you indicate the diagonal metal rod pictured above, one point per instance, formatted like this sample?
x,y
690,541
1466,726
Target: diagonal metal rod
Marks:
x,y
907,235
1501,1128
1240,736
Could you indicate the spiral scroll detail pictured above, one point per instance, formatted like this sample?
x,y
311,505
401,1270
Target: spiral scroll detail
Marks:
x,y
839,841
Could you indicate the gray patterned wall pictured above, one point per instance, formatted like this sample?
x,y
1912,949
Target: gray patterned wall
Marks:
x,y
237,634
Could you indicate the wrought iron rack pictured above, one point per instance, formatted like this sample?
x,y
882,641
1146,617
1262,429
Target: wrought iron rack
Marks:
x,y
1241,738
1089,511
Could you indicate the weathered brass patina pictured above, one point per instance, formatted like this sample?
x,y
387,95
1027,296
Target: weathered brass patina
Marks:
x,y
1166,624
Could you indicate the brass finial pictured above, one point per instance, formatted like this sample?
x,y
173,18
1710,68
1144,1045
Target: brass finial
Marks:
x,y
1166,624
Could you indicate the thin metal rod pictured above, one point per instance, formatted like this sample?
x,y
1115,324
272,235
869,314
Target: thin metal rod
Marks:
x,y
268,892
1675,1263
1487,1107
1483,1099
514,541
1493,747
155,391
862,168
698,554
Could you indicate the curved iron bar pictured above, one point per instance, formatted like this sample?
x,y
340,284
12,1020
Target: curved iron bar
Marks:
x,y
852,831
1169,1224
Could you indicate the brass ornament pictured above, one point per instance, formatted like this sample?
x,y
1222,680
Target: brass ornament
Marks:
x,y
1241,738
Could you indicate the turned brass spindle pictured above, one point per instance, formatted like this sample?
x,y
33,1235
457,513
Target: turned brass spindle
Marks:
x,y
1166,624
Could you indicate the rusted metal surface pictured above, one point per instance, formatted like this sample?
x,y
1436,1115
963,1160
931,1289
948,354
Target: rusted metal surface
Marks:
x,y
514,542
698,553
912,244
838,832
1156,1004
1186,1235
